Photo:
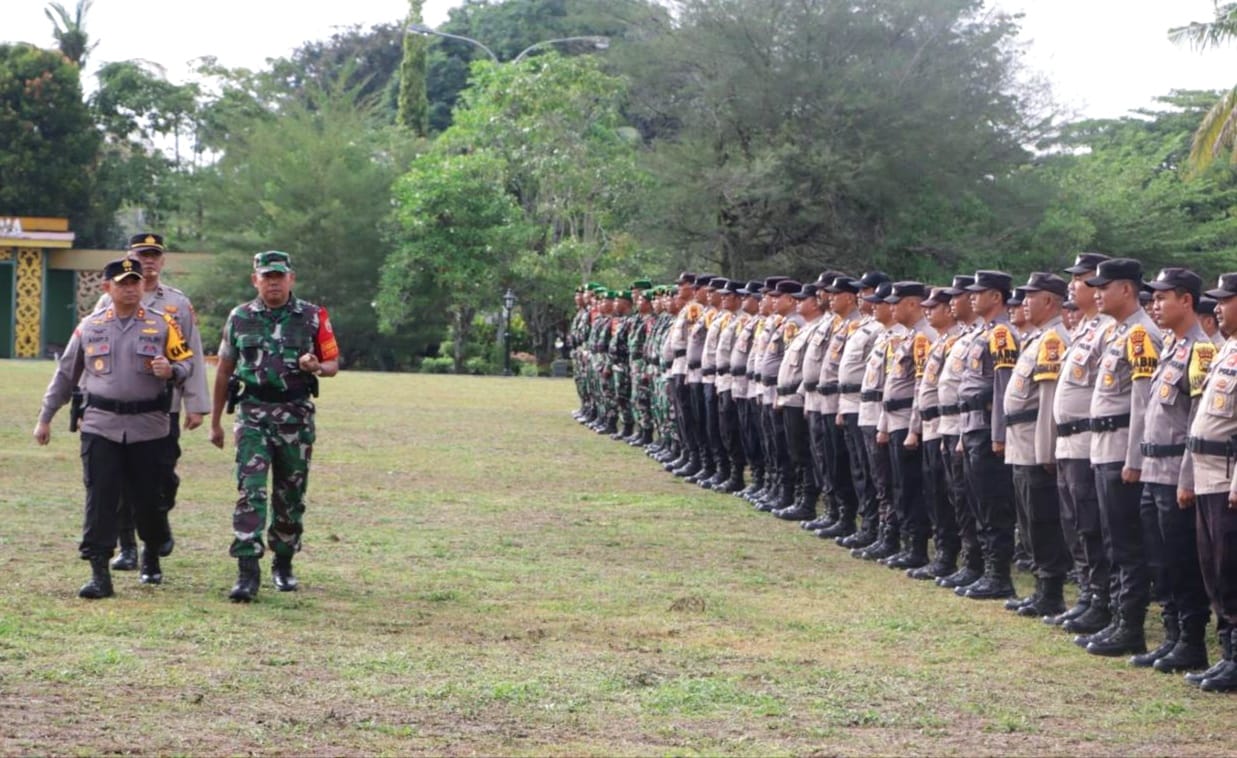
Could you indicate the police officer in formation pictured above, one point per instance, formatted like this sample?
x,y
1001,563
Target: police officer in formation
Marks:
x,y
1087,417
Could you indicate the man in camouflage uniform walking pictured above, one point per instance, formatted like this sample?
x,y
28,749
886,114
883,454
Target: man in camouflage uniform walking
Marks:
x,y
275,346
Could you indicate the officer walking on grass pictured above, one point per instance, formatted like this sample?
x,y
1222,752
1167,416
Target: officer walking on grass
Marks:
x,y
273,350
128,359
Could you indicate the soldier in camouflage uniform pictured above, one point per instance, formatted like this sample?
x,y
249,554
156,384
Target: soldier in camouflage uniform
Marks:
x,y
620,364
641,382
275,346
128,359
604,421
578,338
670,446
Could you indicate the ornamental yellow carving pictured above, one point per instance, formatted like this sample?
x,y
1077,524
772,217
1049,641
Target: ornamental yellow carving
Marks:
x,y
89,288
6,253
28,310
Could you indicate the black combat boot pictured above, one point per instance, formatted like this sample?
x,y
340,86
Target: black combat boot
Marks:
x,y
1015,603
151,573
281,573
757,484
1051,599
1196,678
1224,680
690,467
100,584
735,483
126,560
1091,621
995,584
1172,632
1114,623
621,435
915,556
248,577
865,535
1190,652
1127,639
944,564
968,574
804,506
1077,609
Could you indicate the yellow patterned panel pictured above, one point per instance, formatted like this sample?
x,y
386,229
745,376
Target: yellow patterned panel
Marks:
x,y
89,288
6,253
29,310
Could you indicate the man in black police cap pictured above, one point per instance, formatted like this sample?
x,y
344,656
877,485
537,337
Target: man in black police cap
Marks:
x,y
1208,487
786,326
1071,411
839,488
986,373
1176,389
1118,414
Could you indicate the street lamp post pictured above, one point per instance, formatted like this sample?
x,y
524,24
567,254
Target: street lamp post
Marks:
x,y
508,305
598,42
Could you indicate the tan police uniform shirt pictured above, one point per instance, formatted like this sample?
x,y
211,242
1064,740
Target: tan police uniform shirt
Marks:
x,y
1176,388
725,348
745,333
1031,392
797,332
951,378
1215,421
111,359
844,327
1079,369
989,365
872,388
1122,386
715,321
854,363
904,369
926,412
813,362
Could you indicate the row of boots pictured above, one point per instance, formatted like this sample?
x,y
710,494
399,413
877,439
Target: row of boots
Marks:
x,y
249,576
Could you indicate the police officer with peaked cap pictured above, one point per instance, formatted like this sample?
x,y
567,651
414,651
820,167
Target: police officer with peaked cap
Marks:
x,y
127,359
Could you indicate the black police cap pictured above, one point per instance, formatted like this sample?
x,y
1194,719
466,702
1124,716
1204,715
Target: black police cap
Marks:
x,y
883,290
1226,287
1017,298
1086,262
991,280
122,268
961,282
938,296
145,241
1177,279
751,289
873,279
788,287
1205,306
808,290
845,284
907,289
686,277
1117,269
1042,281
770,284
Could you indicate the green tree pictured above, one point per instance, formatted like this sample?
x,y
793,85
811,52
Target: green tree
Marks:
x,y
459,229
795,135
70,30
413,104
313,182
1217,132
49,141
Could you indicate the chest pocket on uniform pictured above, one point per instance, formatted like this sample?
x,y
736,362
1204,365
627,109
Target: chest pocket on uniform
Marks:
x,y
1077,371
251,348
147,351
98,359
1222,401
1020,384
1168,390
1110,379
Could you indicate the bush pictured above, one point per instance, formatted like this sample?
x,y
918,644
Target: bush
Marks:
x,y
479,366
529,369
437,365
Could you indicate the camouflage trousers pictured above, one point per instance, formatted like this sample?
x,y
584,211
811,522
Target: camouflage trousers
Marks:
x,y
579,373
620,384
641,396
662,404
274,441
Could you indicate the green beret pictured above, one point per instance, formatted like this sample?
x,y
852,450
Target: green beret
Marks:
x,y
594,286
611,294
623,295
641,284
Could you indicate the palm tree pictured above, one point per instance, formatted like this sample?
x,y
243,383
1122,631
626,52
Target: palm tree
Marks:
x,y
1217,133
70,32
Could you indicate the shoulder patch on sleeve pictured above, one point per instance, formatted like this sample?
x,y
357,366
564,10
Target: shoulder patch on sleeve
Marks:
x,y
1200,363
1141,352
919,352
1048,357
1004,347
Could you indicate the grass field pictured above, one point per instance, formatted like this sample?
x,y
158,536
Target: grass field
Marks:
x,y
481,575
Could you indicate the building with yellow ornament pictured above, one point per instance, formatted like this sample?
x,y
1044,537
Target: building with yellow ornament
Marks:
x,y
47,286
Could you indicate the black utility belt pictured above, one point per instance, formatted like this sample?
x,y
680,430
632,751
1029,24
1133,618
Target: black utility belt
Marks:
x,y
693,365
828,388
769,381
1208,447
1110,423
871,396
723,371
847,389
1021,417
900,404
1070,428
738,372
1150,450
710,372
130,407
680,353
950,410
981,403
784,391
810,386
928,414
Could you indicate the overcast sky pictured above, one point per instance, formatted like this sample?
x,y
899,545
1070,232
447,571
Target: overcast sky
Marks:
x,y
1103,57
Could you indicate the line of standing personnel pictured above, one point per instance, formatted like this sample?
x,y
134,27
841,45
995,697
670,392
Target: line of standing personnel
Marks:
x,y
1088,419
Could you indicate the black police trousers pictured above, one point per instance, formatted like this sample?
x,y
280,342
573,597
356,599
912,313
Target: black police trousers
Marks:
x,y
1184,593
906,469
749,431
1036,491
936,462
1217,555
110,470
169,482
991,479
1080,517
728,425
1129,583
880,477
962,498
865,491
